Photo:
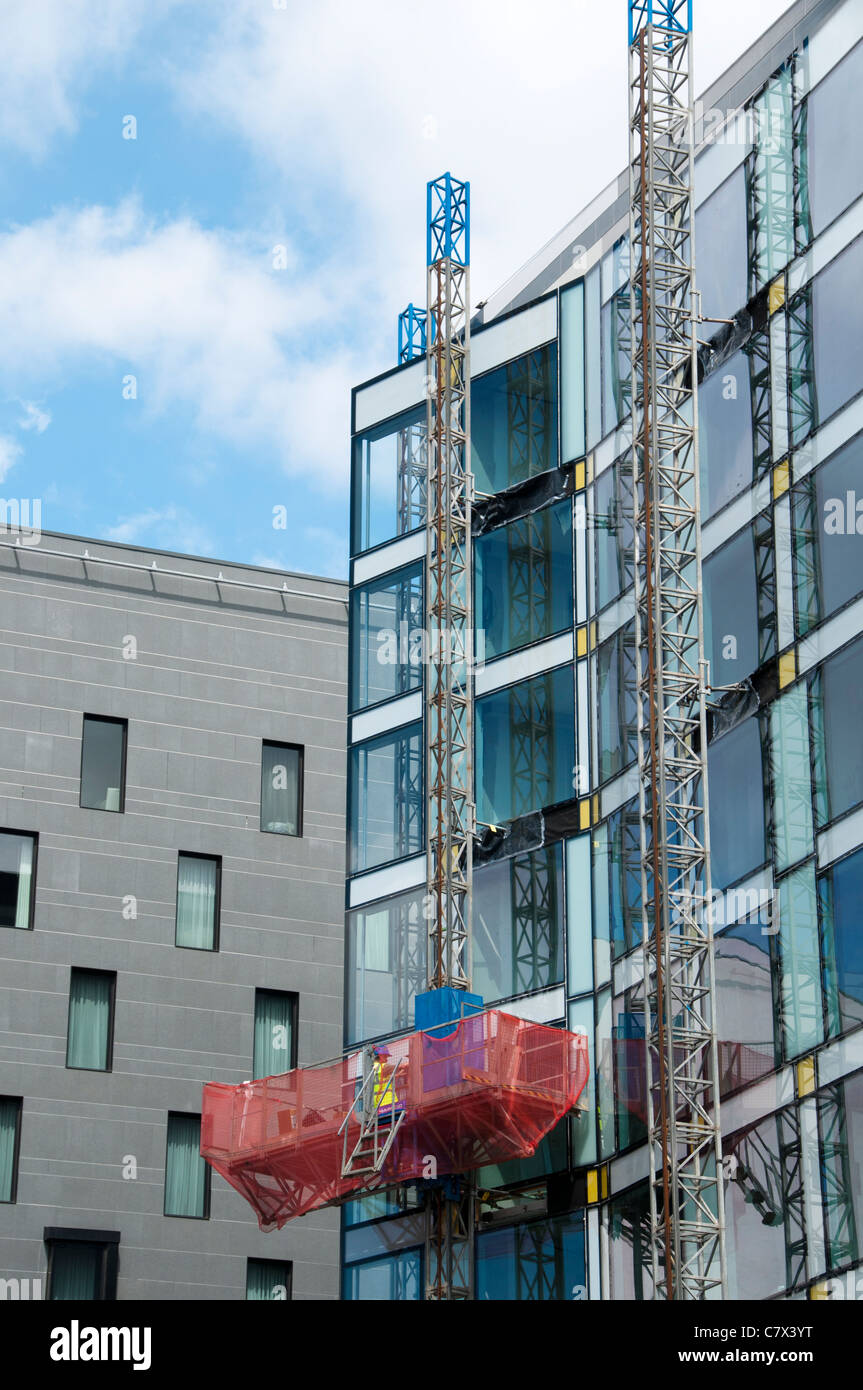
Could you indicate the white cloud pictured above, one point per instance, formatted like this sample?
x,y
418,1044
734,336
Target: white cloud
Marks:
x,y
52,50
34,417
197,317
10,452
163,528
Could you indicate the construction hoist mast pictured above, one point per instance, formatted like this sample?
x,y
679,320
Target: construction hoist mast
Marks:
x,y
686,1195
450,815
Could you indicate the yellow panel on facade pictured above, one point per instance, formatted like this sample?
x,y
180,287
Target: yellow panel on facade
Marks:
x,y
781,479
787,667
581,641
806,1076
776,294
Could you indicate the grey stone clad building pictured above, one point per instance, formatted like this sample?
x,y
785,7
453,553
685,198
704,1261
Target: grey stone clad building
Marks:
x,y
172,791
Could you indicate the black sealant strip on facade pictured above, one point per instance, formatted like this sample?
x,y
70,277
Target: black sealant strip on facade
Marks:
x,y
523,499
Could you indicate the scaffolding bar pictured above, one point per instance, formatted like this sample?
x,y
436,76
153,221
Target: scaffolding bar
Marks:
x,y
686,1195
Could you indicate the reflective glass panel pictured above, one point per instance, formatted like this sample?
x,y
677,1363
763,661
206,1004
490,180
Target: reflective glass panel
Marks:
x,y
386,966
514,421
744,1008
725,439
721,251
525,747
842,682
389,480
386,817
731,610
838,334
841,893
736,788
524,580
387,620
518,924
538,1262
836,165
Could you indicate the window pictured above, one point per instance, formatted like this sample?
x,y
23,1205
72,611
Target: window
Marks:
x,y
386,799
10,1138
617,875
17,879
612,523
731,611
541,1261
82,1265
792,778
800,979
103,763
725,439
198,902
744,1004
394,1279
836,710
771,180
281,789
841,900
721,251
629,1066
838,334
840,1121
629,1240
572,404
513,421
268,1280
518,924
524,580
616,369
525,747
736,789
386,966
617,706
187,1174
275,1032
90,1036
836,165
387,630
827,542
389,480
764,1229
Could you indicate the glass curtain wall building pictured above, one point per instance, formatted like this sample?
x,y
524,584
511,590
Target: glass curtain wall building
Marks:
x,y
557,915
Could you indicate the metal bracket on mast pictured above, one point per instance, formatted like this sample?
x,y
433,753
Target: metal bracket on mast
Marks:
x,y
686,1194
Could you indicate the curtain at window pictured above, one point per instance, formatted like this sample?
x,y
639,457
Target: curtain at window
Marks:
x,y
196,902
9,1111
75,1270
273,1033
186,1170
280,787
89,1020
25,877
267,1280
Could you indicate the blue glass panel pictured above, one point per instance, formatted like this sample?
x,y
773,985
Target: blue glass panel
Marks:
x,y
513,421
524,580
388,489
737,841
525,747
386,813
540,1261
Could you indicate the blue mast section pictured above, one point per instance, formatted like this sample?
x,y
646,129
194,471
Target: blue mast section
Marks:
x,y
412,334
671,16
448,207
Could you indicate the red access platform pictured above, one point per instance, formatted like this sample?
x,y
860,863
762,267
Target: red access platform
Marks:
x,y
487,1093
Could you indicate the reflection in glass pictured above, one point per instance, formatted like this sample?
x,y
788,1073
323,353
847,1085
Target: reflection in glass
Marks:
x,y
387,620
102,758
17,853
524,580
736,789
525,747
765,1229
386,813
725,438
395,1279
838,334
792,778
629,1242
537,1261
514,421
617,705
828,547
518,924
386,967
842,681
800,983
612,522
836,165
744,1008
731,610
841,894
389,480
720,242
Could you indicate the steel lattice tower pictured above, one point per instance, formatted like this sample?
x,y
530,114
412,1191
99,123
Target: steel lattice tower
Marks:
x,y
450,815
686,1196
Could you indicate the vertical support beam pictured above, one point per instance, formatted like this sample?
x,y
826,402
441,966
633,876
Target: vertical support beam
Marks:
x,y
450,812
686,1197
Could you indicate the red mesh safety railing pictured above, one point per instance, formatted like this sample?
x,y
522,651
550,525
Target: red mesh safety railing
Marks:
x,y
486,1094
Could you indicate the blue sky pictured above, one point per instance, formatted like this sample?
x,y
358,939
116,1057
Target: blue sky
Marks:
x,y
167,377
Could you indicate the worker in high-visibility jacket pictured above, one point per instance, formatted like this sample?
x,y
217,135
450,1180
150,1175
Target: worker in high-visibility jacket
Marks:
x,y
386,1099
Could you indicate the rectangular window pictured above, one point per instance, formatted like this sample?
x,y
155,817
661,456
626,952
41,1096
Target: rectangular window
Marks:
x,y
840,1121
617,872
839,736
187,1174
764,1227
616,368
514,421
281,789
731,633
726,448
268,1280
386,966
90,1036
524,580
722,252
828,548
771,180
518,924
572,404
836,165
103,763
736,790
10,1138
800,982
275,1032
386,815
395,1279
612,521
533,1261
525,747
838,334
629,1241
387,629
82,1265
744,990
17,879
841,902
389,480
198,902
792,778
629,1069
617,706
